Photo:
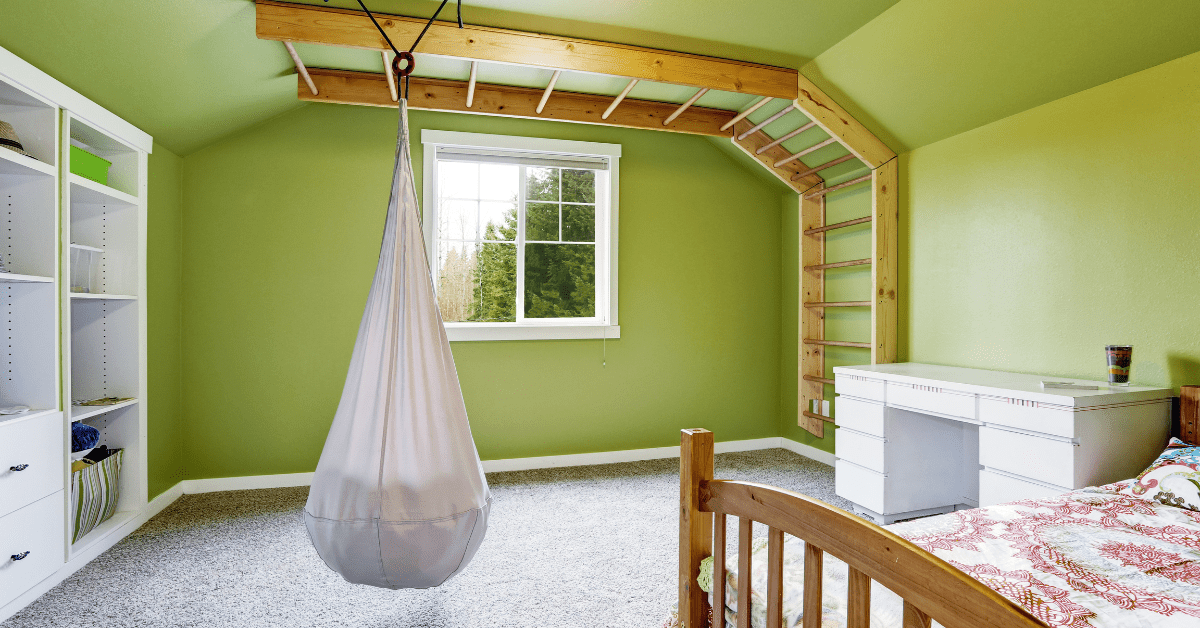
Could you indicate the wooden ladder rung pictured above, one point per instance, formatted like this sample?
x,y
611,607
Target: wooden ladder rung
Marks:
x,y
839,304
848,223
814,378
811,415
853,262
837,343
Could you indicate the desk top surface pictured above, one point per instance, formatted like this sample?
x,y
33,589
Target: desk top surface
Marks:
x,y
1005,384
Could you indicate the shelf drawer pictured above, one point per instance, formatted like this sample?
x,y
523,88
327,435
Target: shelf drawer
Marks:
x,y
861,449
1039,458
1026,415
932,400
860,416
37,446
862,388
1002,488
859,485
39,529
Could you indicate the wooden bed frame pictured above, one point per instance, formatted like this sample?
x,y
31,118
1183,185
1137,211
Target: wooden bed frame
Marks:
x,y
931,587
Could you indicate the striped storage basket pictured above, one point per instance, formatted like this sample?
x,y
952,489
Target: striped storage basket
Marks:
x,y
94,493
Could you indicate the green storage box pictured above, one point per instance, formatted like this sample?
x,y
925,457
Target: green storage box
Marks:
x,y
89,166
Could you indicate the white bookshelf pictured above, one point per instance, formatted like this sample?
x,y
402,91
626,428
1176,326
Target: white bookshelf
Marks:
x,y
104,330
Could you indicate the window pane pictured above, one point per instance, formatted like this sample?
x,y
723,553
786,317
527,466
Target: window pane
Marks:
x,y
578,222
455,280
498,220
579,186
457,179
495,289
541,222
458,220
560,280
499,182
541,184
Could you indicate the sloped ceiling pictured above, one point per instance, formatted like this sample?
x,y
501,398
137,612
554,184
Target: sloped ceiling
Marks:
x,y
191,71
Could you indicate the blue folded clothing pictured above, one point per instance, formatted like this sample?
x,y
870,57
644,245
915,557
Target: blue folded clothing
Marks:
x,y
83,437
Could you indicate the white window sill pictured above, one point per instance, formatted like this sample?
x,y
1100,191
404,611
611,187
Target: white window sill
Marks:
x,y
469,332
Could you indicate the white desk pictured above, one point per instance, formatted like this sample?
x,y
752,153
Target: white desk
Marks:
x,y
918,439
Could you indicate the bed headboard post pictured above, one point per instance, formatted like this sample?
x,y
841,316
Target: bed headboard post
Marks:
x,y
1189,414
695,526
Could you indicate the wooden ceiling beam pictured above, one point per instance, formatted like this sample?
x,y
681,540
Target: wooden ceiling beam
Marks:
x,y
370,89
351,28
837,122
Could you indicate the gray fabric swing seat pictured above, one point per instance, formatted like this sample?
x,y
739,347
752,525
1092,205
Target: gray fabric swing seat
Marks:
x,y
399,499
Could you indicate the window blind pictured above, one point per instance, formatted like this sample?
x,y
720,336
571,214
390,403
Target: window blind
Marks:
x,y
524,158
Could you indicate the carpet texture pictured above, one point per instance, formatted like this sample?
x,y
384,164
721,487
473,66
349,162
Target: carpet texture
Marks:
x,y
571,547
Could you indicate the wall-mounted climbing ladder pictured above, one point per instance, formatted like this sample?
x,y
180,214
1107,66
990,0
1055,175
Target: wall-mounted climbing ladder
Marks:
x,y
879,162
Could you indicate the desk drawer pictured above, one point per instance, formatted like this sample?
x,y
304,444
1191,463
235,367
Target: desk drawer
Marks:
x,y
39,529
859,485
1027,415
860,416
932,400
861,449
36,447
1002,488
1040,458
860,387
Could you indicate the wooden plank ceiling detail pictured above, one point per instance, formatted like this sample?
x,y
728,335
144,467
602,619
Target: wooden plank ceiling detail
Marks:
x,y
351,28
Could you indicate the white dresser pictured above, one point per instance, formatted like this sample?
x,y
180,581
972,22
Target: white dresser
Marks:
x,y
920,439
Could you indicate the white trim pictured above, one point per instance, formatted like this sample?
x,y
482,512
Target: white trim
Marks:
x,y
466,332
30,78
246,483
517,142
808,451
156,505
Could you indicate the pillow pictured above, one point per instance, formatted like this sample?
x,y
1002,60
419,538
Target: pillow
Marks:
x,y
1173,479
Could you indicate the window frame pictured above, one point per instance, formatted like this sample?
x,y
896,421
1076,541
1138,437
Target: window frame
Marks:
x,y
605,323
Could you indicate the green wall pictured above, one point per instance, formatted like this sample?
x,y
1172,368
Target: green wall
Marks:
x,y
1030,243
164,266
283,229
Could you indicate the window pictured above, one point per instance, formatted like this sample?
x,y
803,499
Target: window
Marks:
x,y
522,235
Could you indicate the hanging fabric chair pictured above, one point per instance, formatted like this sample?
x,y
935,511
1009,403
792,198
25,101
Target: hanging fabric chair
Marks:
x,y
399,499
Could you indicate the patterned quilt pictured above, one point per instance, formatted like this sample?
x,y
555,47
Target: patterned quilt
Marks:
x,y
1092,558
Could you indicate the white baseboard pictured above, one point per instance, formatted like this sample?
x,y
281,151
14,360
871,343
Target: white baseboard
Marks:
x,y
246,482
77,562
808,451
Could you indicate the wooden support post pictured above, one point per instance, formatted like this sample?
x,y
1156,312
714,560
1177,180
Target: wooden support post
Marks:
x,y
619,98
300,67
471,84
684,107
884,247
391,76
858,600
719,575
749,110
775,579
745,566
814,580
812,320
549,90
695,526
914,617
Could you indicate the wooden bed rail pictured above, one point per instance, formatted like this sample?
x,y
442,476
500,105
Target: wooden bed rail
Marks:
x,y
930,587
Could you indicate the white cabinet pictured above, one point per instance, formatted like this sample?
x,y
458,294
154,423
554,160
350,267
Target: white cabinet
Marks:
x,y
31,545
919,439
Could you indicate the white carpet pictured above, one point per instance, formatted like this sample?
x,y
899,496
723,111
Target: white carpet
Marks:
x,y
569,547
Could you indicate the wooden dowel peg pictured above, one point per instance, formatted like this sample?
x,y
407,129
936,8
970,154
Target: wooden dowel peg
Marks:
x,y
300,67
839,186
617,101
837,225
749,110
391,76
810,149
838,304
821,380
816,169
813,415
785,138
682,108
837,343
471,84
854,262
549,90
758,127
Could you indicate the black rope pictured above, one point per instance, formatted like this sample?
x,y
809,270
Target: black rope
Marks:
x,y
407,57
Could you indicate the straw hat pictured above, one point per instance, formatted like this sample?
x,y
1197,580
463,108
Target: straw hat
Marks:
x,y
8,139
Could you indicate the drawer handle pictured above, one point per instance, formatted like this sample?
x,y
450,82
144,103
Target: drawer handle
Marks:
x,y
20,556
20,467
